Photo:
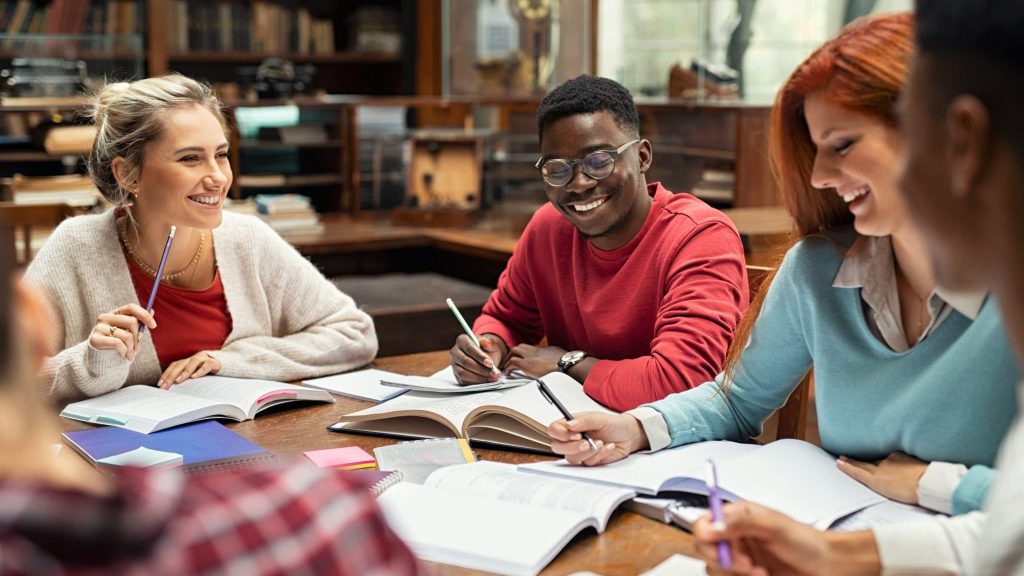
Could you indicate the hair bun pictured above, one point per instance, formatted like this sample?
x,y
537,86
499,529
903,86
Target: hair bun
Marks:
x,y
105,97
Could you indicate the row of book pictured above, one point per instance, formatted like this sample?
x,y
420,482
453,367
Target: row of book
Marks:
x,y
78,17
285,213
262,27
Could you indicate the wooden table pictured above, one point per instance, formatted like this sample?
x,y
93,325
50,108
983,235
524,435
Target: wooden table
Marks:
x,y
631,544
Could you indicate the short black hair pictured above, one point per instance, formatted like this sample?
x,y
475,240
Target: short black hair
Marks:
x,y
976,48
587,94
990,29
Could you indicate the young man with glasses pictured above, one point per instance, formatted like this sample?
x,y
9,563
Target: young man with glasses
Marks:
x,y
637,290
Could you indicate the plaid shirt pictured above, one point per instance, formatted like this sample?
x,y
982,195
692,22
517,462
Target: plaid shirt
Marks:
x,y
282,520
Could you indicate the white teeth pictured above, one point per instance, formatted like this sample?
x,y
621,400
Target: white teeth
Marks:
x,y
589,206
851,196
211,200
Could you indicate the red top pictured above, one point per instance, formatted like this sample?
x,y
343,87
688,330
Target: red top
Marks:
x,y
659,312
188,321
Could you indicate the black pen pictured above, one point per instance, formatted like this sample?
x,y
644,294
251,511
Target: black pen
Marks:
x,y
546,393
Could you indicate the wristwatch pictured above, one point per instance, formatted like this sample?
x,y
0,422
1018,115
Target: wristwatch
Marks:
x,y
570,359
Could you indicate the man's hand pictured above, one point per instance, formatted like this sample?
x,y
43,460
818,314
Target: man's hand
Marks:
x,y
764,541
474,365
896,477
534,361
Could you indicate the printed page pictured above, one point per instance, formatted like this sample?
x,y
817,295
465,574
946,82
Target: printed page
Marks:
x,y
146,409
453,409
361,384
652,473
679,565
888,512
444,381
244,393
797,478
528,401
477,532
503,482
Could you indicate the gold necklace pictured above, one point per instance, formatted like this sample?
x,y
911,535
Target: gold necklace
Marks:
x,y
922,306
123,235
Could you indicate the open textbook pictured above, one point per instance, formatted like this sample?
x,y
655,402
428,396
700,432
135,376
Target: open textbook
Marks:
x,y
444,381
487,516
513,417
148,408
792,476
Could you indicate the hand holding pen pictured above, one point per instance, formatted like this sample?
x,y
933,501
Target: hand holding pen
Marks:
x,y
474,360
121,329
722,549
546,392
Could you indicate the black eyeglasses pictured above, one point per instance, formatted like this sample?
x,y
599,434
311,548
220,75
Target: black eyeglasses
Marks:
x,y
598,165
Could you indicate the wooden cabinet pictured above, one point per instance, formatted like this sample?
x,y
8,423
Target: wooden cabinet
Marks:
x,y
700,145
212,39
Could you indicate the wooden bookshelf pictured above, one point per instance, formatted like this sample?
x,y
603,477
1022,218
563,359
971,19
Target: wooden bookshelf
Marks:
x,y
347,56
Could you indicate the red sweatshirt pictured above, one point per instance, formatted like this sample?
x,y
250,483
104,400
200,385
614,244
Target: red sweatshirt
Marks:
x,y
658,312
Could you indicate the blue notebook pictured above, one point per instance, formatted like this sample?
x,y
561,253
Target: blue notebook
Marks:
x,y
204,446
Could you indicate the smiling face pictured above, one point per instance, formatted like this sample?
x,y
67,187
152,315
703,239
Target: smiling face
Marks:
x,y
858,158
186,174
610,211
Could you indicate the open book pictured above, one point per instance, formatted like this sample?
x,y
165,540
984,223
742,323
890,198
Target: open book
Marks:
x,y
791,476
513,417
148,408
487,516
445,381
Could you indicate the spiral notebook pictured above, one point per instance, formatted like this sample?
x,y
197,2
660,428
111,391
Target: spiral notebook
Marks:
x,y
203,446
417,459
375,480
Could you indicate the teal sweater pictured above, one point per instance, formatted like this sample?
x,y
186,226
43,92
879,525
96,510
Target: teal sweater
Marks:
x,y
950,398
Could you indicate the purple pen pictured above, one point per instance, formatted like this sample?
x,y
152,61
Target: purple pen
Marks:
x,y
715,500
159,274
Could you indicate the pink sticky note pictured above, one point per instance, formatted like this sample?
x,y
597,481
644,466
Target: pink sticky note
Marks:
x,y
335,457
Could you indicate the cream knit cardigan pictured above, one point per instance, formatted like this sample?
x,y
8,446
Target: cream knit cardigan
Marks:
x,y
288,321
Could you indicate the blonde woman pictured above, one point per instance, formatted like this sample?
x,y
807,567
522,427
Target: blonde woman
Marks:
x,y
235,299
160,521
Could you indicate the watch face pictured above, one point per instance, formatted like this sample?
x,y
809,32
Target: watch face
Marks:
x,y
571,357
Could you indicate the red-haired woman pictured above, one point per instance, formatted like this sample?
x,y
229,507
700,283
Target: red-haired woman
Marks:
x,y
914,385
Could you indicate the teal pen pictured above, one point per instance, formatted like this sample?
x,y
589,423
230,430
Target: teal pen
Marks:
x,y
468,330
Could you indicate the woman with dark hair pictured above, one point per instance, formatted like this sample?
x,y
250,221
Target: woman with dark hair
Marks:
x,y
905,372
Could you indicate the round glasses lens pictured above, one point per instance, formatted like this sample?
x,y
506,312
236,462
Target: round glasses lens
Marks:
x,y
598,164
556,172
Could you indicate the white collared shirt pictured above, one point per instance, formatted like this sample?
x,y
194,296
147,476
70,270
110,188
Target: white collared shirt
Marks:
x,y
871,266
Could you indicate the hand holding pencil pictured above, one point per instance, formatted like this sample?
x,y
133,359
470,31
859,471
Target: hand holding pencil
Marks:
x,y
475,359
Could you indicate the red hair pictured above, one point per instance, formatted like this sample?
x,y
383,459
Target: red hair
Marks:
x,y
861,70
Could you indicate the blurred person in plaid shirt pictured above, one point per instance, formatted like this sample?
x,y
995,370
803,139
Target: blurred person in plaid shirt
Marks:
x,y
58,515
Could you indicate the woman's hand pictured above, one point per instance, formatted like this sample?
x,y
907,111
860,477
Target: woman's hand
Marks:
x,y
896,477
119,330
616,436
199,364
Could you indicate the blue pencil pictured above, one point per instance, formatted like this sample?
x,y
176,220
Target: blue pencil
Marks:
x,y
159,274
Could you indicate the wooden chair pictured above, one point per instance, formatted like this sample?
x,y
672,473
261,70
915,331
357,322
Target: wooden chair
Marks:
x,y
24,217
791,419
